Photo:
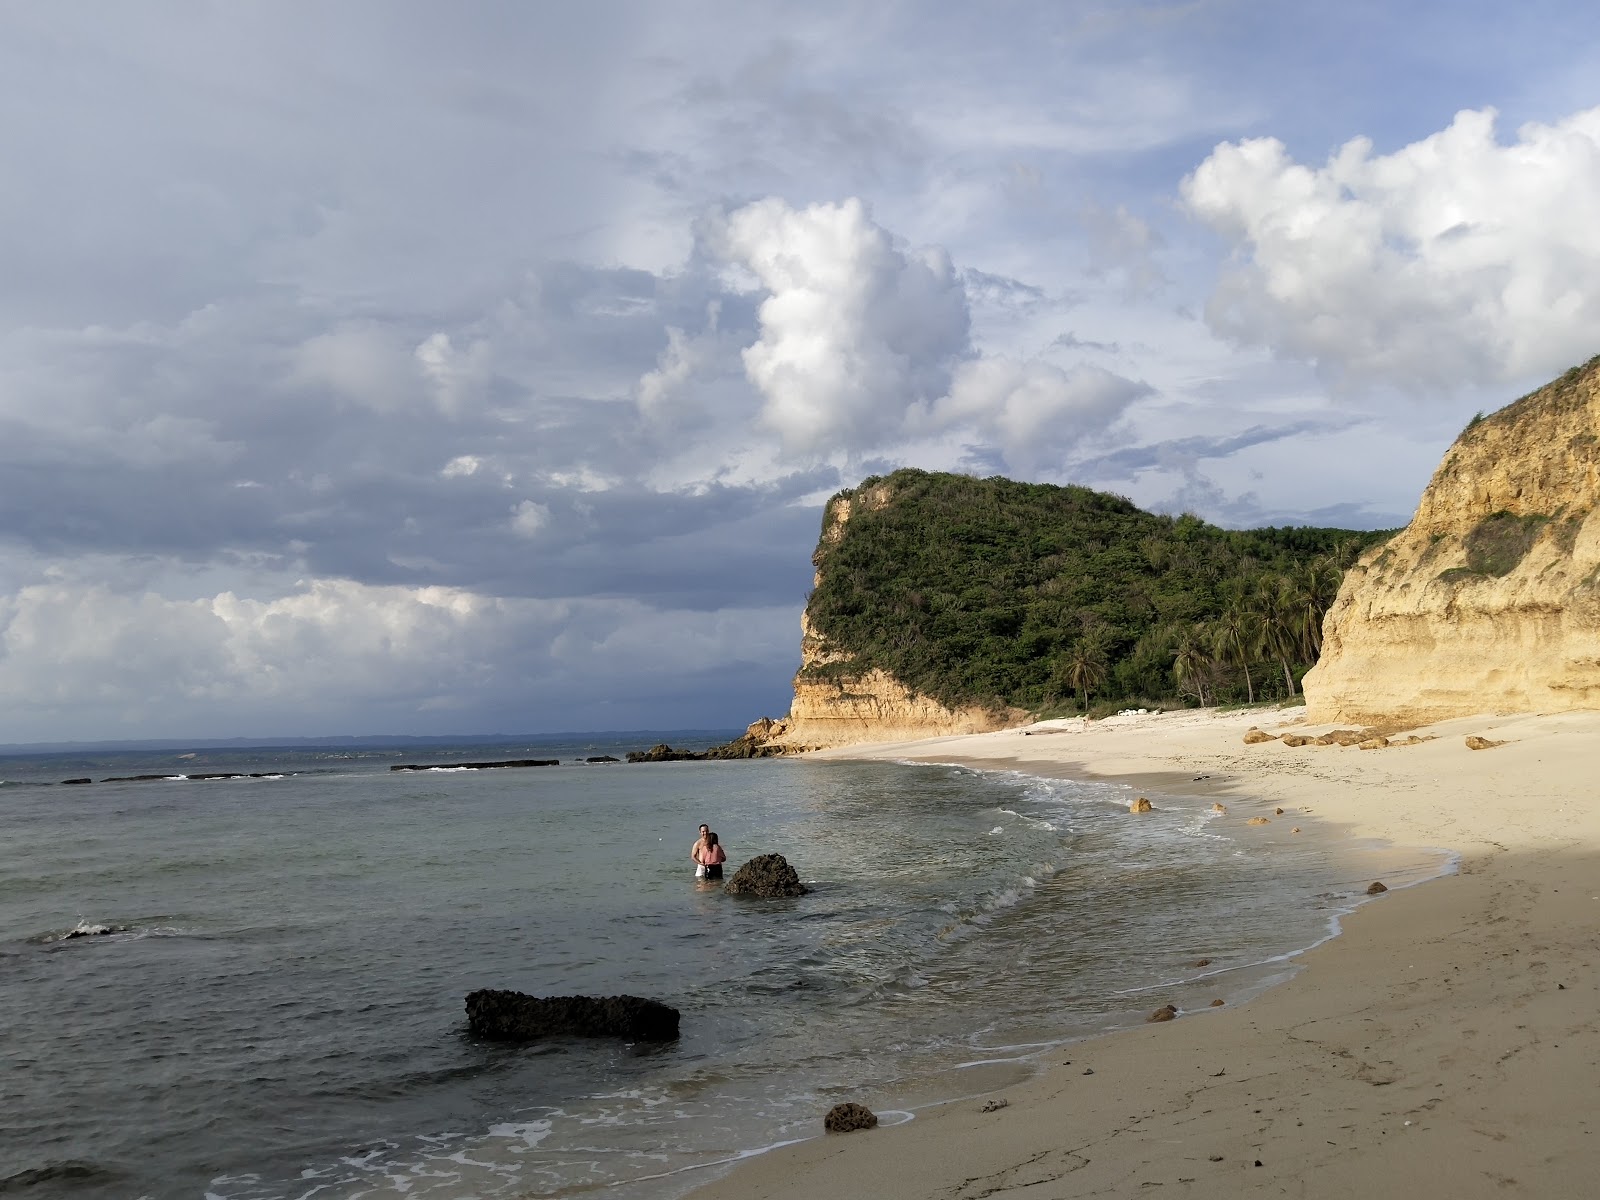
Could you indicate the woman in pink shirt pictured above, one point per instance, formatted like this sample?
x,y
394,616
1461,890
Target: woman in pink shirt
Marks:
x,y
710,855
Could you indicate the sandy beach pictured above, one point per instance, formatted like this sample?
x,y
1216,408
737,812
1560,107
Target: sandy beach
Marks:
x,y
1444,1045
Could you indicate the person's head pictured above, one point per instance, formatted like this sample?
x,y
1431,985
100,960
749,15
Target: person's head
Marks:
x,y
711,838
704,830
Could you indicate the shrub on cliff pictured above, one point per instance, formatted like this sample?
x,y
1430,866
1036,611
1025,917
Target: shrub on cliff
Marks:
x,y
990,591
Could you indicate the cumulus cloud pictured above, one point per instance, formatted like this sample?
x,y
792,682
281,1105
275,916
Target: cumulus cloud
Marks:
x,y
1032,411
1456,258
529,517
145,664
856,328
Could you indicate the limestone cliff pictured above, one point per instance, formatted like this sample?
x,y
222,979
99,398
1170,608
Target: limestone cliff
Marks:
x,y
838,703
1489,601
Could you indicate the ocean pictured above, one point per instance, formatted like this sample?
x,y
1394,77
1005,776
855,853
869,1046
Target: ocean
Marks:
x,y
277,1009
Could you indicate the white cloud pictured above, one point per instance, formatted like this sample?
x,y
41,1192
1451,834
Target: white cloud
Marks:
x,y
333,650
1454,259
855,330
529,517
1032,411
361,361
462,466
455,376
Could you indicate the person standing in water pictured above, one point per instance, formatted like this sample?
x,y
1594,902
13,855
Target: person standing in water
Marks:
x,y
694,851
712,856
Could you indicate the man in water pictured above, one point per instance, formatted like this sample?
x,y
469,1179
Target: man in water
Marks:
x,y
699,845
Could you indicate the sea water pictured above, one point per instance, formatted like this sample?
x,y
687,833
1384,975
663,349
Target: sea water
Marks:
x,y
276,1010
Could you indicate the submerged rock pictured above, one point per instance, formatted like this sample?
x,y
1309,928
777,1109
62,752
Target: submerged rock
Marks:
x,y
766,875
515,1016
1141,805
846,1118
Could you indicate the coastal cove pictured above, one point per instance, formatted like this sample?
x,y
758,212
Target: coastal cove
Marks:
x,y
335,1053
1443,1044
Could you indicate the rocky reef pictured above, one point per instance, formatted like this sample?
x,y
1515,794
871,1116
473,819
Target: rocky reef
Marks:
x,y
1489,600
515,1016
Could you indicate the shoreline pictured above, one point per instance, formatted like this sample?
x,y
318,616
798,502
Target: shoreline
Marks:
x,y
1442,1042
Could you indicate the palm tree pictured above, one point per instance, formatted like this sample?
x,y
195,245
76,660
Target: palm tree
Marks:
x,y
1274,607
1192,662
1313,589
1086,670
1238,633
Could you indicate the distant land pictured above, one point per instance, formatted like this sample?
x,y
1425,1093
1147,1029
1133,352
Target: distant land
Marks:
x,y
368,742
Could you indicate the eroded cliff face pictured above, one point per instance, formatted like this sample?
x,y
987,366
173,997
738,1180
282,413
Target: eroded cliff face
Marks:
x,y
836,702
1489,601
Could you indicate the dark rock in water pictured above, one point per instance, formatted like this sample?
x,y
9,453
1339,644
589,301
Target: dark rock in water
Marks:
x,y
754,743
67,781
766,875
1377,889
515,1016
661,752
1165,1013
846,1118
599,758
479,766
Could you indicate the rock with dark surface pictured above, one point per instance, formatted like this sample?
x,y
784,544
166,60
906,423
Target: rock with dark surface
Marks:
x,y
1166,1012
66,782
846,1118
602,758
767,875
1377,889
514,1016
1474,742
474,766
661,752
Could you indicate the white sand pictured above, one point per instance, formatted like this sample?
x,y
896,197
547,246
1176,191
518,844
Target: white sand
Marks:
x,y
1444,1046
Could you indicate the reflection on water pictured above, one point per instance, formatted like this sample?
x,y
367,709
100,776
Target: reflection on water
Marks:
x,y
289,1020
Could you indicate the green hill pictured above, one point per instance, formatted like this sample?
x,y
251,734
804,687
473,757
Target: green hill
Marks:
x,y
1034,596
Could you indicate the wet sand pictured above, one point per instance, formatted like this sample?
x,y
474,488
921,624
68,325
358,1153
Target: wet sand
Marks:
x,y
1447,1044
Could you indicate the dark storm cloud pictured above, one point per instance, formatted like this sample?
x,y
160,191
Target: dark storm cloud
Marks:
x,y
1180,452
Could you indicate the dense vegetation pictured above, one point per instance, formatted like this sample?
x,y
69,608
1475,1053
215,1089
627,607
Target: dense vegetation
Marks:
x,y
1038,597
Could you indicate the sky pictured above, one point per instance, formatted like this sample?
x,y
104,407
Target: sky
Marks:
x,y
389,367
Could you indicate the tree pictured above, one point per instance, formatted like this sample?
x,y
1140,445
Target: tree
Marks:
x,y
1274,606
1238,634
1192,664
1313,588
1086,670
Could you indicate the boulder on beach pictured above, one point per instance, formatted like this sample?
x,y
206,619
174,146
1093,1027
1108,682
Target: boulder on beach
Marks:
x,y
515,1016
1342,737
768,875
1254,737
1218,1003
1258,821
1141,805
1373,743
1474,742
1377,889
1294,739
846,1118
1165,1013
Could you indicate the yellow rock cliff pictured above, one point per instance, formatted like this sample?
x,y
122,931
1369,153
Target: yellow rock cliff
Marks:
x,y
1489,601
